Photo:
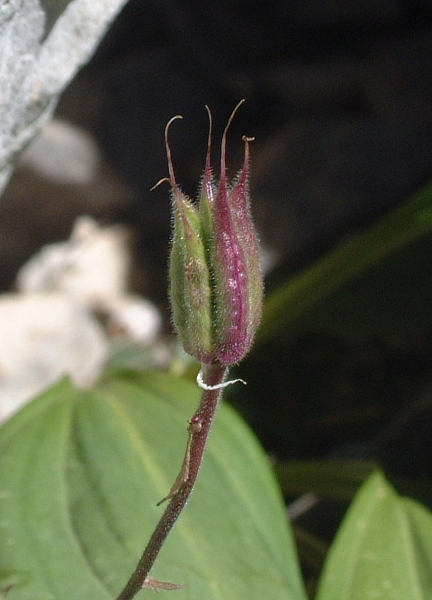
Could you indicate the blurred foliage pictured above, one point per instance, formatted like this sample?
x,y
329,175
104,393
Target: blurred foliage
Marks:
x,y
376,281
340,479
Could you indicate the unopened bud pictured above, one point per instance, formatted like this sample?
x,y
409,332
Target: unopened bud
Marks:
x,y
215,276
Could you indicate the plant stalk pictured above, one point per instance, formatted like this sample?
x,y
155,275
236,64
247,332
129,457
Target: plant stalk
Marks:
x,y
214,374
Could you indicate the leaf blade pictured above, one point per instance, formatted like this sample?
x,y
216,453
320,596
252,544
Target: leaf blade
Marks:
x,y
375,554
37,535
116,450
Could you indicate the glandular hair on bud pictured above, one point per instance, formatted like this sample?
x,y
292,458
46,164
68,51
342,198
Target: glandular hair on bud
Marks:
x,y
216,285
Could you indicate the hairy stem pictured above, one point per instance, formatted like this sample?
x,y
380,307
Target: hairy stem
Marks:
x,y
214,374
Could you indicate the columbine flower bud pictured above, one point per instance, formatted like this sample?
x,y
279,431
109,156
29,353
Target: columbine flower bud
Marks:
x,y
215,276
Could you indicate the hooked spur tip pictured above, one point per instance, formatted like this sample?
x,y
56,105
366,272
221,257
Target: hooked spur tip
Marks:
x,y
172,178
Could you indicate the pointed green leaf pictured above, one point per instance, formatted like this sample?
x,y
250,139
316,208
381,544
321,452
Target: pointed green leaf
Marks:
x,y
382,551
81,473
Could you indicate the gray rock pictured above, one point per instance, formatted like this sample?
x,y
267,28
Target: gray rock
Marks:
x,y
42,45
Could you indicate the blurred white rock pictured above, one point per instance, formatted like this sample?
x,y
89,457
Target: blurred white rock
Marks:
x,y
136,318
92,266
45,337
51,327
63,153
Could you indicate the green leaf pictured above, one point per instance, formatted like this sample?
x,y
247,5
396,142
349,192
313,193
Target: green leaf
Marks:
x,y
383,549
81,473
379,278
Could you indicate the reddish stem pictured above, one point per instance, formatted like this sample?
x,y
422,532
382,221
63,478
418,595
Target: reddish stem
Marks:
x,y
214,374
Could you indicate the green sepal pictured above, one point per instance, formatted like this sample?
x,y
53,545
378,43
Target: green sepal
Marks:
x,y
190,280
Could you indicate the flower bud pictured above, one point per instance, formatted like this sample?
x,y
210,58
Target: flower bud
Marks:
x,y
215,276
189,275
